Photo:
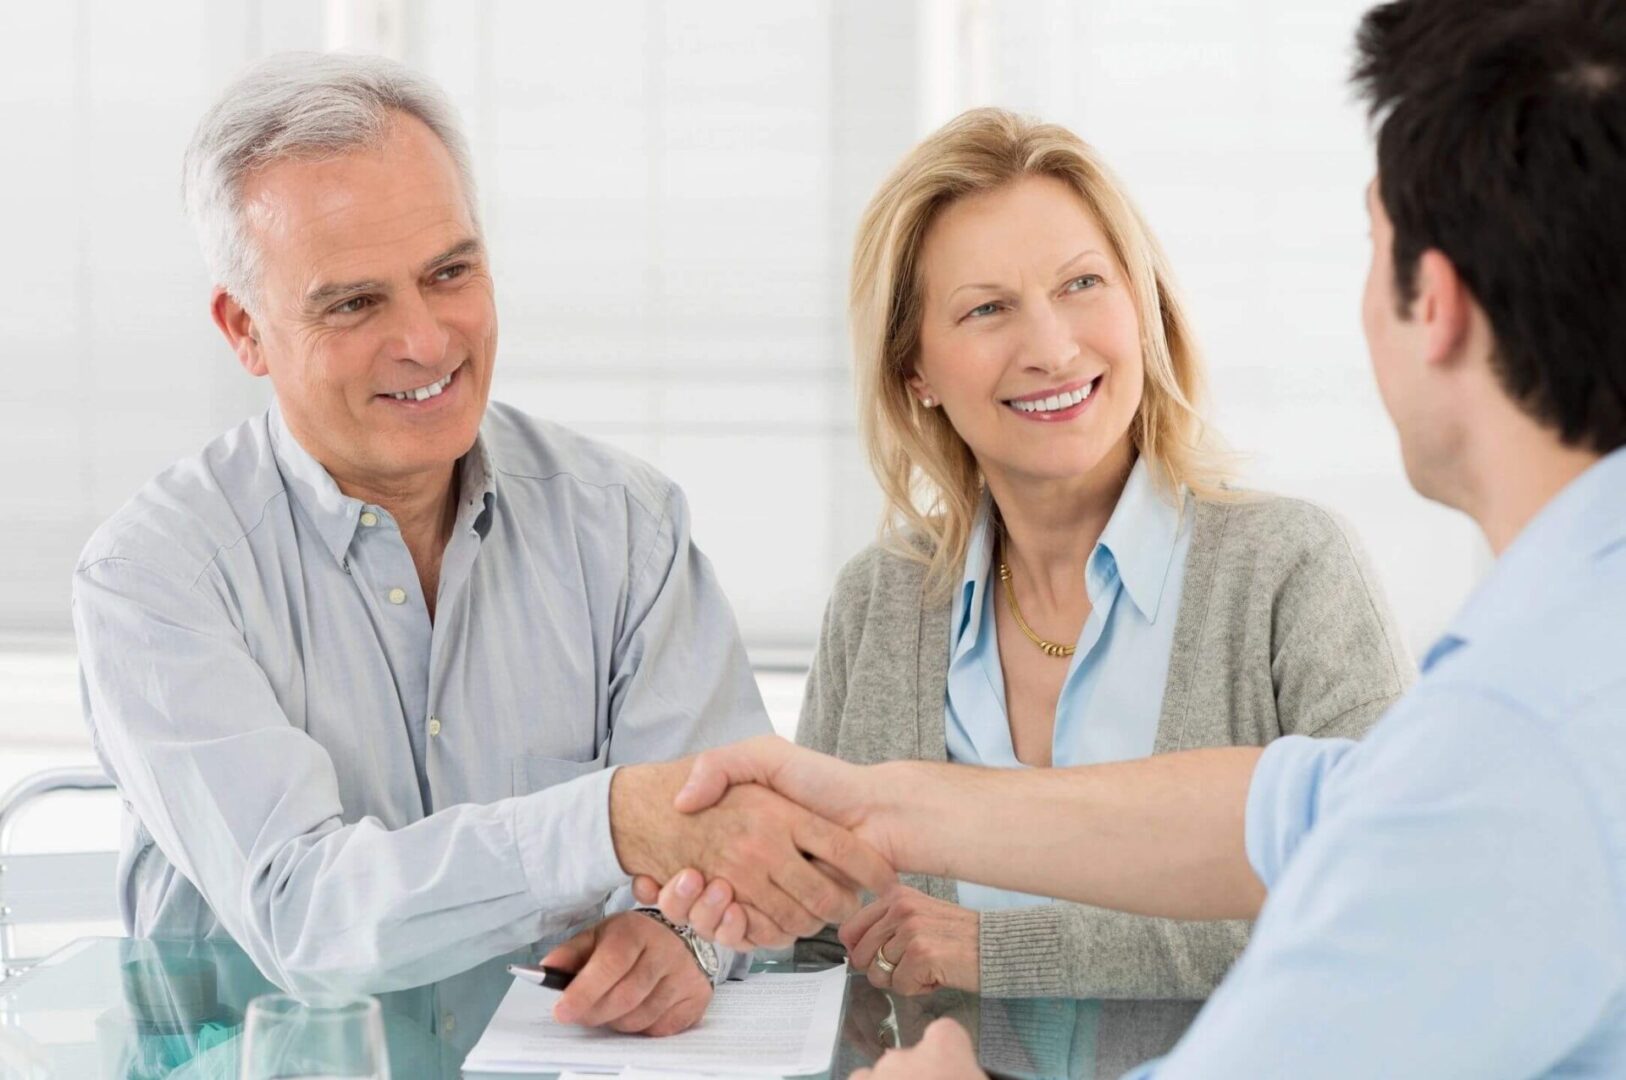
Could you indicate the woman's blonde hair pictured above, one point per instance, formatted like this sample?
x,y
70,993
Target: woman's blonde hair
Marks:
x,y
930,479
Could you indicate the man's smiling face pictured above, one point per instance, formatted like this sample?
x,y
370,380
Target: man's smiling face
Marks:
x,y
375,314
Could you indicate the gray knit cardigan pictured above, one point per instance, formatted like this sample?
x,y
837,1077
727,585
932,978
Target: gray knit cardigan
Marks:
x,y
1282,629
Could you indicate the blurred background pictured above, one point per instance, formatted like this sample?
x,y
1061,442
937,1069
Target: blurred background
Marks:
x,y
670,191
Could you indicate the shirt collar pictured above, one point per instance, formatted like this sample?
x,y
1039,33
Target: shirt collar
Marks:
x,y
979,559
334,513
1141,537
1582,522
477,488
1138,545
337,515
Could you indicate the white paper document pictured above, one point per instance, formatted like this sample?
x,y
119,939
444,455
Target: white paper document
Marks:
x,y
780,1025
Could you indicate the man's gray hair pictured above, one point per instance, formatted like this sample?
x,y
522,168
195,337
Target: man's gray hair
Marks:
x,y
299,106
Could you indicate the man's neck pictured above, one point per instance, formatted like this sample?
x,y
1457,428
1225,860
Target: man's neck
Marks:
x,y
425,509
1517,467
420,505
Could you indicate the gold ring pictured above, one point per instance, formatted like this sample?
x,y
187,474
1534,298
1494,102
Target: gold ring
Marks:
x,y
883,963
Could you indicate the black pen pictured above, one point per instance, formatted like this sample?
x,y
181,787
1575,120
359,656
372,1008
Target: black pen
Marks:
x,y
551,978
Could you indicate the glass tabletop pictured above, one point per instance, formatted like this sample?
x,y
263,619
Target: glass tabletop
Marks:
x,y
122,1009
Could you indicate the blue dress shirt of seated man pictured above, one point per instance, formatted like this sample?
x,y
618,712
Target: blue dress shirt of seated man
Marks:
x,y
360,797
1455,884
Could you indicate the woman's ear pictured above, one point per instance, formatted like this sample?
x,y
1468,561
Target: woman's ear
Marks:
x,y
922,390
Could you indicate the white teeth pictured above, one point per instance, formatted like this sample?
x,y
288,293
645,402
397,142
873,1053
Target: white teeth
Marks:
x,y
1055,401
424,393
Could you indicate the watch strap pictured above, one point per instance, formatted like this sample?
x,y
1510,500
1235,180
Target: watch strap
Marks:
x,y
704,952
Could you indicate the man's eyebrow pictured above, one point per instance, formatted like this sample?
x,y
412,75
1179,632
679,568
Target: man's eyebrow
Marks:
x,y
323,295
460,250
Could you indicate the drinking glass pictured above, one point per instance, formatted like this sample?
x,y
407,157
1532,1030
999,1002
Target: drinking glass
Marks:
x,y
315,1038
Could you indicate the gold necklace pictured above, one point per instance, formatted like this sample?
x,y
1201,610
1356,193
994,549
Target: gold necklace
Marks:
x,y
1049,648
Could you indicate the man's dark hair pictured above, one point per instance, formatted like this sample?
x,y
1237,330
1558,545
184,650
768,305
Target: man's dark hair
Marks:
x,y
1502,144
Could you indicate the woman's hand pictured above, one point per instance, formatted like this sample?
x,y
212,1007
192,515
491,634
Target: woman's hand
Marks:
x,y
929,943
706,908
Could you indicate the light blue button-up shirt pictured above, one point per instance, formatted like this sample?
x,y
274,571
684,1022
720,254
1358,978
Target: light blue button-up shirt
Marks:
x,y
360,798
1448,897
1113,692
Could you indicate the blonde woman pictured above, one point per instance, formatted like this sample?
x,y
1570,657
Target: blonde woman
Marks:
x,y
1064,576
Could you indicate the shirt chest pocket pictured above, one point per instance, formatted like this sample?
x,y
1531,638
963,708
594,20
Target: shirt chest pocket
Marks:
x,y
536,772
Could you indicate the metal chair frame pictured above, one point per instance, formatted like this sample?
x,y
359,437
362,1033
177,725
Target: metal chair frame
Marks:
x,y
54,887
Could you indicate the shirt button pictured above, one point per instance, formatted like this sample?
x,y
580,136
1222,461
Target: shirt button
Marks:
x,y
434,726
448,1023
397,596
368,518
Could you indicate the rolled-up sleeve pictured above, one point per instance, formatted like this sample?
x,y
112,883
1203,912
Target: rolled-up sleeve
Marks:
x,y
247,807
1283,799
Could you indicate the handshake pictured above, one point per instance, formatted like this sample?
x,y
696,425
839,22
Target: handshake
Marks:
x,y
773,842
760,842
757,843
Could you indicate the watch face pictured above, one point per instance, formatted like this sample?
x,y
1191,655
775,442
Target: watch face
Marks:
x,y
706,953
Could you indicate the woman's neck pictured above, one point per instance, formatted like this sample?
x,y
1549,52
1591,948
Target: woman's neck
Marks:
x,y
1049,527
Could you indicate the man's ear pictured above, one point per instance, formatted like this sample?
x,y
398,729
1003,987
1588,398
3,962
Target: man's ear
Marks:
x,y
1443,309
237,325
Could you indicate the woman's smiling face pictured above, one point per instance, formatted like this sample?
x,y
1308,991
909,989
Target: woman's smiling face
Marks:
x,y
1029,335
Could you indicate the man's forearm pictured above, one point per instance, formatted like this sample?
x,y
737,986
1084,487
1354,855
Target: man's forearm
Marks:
x,y
1158,836
640,796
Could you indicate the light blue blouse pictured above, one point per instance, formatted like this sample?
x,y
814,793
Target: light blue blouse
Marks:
x,y
1113,694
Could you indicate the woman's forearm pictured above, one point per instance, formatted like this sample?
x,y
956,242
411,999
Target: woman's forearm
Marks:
x,y
1158,836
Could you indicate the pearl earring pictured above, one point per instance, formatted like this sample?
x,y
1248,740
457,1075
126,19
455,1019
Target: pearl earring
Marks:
x,y
927,402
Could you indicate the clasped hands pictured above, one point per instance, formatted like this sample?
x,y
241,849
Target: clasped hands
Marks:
x,y
786,862
769,842
793,870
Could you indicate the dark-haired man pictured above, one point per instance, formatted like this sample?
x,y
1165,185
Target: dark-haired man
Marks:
x,y
1448,897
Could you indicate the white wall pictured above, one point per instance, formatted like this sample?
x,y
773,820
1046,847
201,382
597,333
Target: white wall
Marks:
x,y
670,190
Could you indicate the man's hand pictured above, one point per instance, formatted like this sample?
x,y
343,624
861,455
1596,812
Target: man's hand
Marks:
x,y
792,870
846,794
943,1053
831,788
930,943
632,975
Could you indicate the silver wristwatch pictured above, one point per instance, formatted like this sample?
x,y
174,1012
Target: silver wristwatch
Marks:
x,y
705,953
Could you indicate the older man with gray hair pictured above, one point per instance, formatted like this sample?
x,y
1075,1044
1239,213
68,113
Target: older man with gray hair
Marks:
x,y
365,667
